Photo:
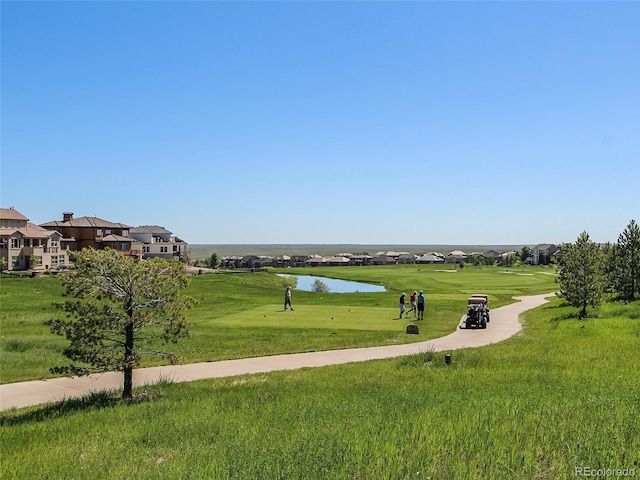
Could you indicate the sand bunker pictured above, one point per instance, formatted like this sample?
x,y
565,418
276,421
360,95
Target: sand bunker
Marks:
x,y
448,271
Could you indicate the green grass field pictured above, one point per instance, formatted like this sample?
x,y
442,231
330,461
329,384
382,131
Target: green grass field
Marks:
x,y
562,394
239,315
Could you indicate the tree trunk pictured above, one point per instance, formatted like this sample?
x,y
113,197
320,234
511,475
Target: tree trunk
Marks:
x,y
127,391
128,383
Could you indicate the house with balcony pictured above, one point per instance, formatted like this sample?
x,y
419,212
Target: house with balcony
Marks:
x,y
25,245
96,233
159,242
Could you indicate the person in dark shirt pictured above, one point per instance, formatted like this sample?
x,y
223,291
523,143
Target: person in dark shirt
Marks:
x,y
402,303
287,298
421,305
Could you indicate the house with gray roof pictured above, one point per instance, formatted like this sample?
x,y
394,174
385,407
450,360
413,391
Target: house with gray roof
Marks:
x,y
429,258
456,256
542,253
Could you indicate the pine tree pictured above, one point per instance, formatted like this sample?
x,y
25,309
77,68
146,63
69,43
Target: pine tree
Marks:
x,y
582,276
120,308
625,262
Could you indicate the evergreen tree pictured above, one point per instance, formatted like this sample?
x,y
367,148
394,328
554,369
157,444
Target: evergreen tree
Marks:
x,y
624,262
120,308
582,276
525,253
213,261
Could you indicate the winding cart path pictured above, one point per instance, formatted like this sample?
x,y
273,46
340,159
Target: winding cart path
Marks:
x,y
504,324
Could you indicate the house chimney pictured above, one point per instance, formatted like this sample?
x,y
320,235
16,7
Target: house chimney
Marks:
x,y
67,216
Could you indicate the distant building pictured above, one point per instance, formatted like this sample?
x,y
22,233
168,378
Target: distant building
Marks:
x,y
25,245
382,259
456,256
360,258
492,255
159,242
430,258
541,254
282,261
96,233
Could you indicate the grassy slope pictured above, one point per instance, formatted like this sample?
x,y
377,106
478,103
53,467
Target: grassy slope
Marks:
x,y
562,394
238,315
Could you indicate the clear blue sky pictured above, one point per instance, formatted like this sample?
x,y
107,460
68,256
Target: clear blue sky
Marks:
x,y
326,122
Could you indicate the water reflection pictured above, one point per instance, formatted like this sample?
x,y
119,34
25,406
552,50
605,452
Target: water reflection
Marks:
x,y
305,282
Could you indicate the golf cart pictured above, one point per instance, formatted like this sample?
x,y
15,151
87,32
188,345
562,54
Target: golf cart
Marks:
x,y
477,312
486,302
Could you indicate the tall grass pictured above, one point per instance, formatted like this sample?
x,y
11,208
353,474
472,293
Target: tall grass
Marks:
x,y
563,393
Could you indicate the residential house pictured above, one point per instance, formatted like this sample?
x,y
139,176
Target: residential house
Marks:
x,y
360,258
256,261
299,260
541,254
382,259
231,261
394,255
492,255
432,257
316,261
282,261
25,245
159,242
456,256
406,258
96,233
337,261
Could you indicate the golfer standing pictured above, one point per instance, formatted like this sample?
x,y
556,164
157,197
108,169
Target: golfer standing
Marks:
x,y
414,307
420,306
287,297
402,303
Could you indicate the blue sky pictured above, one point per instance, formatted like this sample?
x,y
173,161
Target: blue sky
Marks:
x,y
326,122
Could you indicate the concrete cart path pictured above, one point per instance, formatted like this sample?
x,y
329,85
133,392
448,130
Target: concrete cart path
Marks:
x,y
504,324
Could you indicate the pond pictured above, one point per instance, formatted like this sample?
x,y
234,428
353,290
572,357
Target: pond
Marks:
x,y
305,282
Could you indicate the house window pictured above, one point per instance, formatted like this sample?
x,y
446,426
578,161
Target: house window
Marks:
x,y
163,250
99,232
15,261
54,260
107,232
16,243
54,241
123,247
125,233
145,249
